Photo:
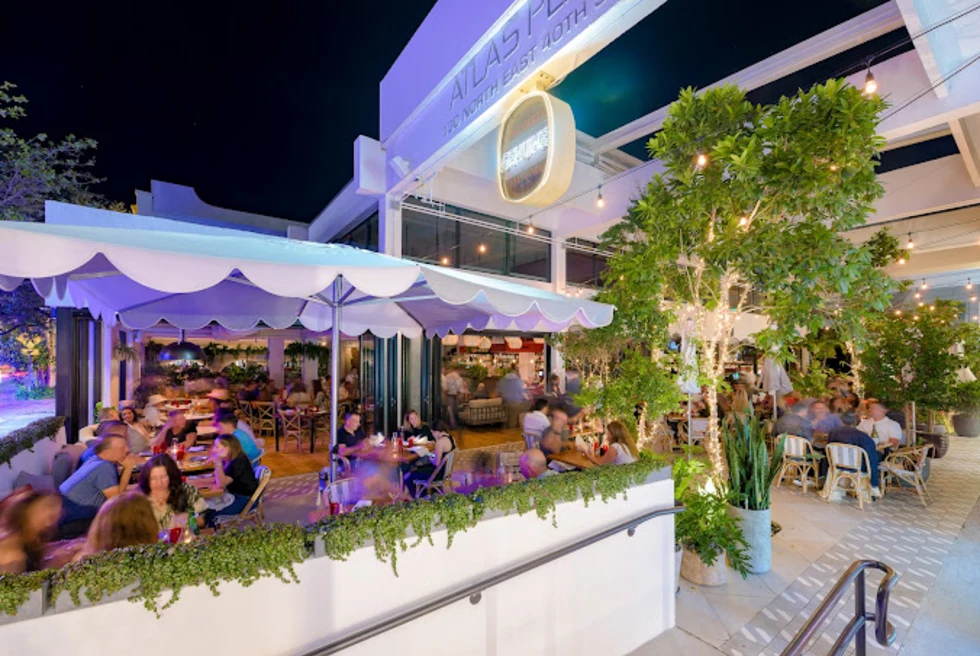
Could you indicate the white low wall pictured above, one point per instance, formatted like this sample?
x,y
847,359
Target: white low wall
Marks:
x,y
37,461
608,598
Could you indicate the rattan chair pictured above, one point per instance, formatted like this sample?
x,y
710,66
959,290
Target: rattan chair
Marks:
x,y
799,461
848,463
905,466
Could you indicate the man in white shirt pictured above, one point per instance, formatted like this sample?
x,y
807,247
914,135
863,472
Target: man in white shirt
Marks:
x,y
455,387
879,426
536,421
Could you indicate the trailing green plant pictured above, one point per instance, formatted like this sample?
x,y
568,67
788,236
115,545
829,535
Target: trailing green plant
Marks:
x,y
966,397
751,471
246,555
24,439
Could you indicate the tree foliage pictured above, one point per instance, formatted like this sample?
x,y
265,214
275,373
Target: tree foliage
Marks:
x,y
747,213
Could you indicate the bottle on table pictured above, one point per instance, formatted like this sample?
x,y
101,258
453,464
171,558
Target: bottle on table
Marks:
x,y
192,527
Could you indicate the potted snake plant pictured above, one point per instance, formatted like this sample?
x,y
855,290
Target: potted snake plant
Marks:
x,y
751,472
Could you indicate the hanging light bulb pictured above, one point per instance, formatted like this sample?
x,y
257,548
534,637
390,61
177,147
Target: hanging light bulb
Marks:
x,y
744,221
599,201
921,303
976,318
898,313
482,248
701,160
910,244
870,84
918,295
834,168
444,260
969,284
932,308
530,228
924,285
901,260
973,298
915,317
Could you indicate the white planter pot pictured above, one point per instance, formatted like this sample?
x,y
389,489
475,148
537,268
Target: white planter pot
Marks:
x,y
757,528
678,557
694,569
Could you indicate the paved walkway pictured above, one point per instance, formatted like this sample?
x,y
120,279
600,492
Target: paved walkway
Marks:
x,y
935,606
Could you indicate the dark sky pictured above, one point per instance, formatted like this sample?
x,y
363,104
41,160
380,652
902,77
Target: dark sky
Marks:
x,y
256,104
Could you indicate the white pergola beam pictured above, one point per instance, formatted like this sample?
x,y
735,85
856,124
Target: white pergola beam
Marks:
x,y
966,132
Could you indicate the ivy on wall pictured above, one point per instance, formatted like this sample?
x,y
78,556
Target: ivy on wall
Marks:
x,y
272,550
24,439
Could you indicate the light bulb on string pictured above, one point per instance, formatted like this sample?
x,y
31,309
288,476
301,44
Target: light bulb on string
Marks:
x,y
918,295
973,298
530,228
445,261
921,303
482,248
969,284
924,285
932,308
599,201
701,160
909,245
898,313
744,221
901,260
870,83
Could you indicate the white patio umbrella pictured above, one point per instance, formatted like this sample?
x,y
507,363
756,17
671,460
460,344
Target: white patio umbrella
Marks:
x,y
169,271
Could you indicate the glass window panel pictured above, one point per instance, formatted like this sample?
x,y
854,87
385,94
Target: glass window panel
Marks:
x,y
580,267
482,248
531,258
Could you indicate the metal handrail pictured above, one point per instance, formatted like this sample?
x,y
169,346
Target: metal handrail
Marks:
x,y
884,631
474,591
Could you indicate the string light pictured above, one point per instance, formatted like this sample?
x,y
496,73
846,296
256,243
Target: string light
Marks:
x,y
969,284
973,298
701,160
482,248
599,202
901,260
898,313
921,304
924,285
911,244
834,168
915,317
530,228
932,308
918,295
870,84
744,221
445,261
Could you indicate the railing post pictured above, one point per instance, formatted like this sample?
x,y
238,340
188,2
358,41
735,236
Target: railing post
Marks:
x,y
861,613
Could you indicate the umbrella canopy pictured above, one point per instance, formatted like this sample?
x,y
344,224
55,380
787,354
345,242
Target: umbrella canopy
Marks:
x,y
140,277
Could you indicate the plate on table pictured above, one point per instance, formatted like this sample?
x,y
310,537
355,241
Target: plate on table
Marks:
x,y
145,454
195,449
197,458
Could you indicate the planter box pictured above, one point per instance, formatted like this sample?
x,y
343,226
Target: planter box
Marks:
x,y
757,529
35,461
694,570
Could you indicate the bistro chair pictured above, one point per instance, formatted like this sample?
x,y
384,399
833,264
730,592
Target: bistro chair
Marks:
x,y
339,491
696,432
532,440
799,461
905,466
435,484
848,463
264,418
253,509
291,427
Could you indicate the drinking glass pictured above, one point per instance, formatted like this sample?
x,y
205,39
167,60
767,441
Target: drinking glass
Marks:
x,y
175,533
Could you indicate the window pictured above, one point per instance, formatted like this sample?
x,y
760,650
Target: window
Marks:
x,y
363,235
584,267
491,248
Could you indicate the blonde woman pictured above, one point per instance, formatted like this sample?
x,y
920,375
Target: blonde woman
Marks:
x,y
620,447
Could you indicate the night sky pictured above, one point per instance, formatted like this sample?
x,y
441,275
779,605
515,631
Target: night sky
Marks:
x,y
257,105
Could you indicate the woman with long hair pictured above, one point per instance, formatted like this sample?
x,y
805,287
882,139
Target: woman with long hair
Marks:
x,y
136,433
125,520
161,482
620,446
29,519
233,473
413,426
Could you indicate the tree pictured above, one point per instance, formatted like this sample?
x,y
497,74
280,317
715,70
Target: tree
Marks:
x,y
32,171
747,215
909,356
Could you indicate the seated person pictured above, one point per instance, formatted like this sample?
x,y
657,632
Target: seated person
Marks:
x,y
413,426
177,430
124,521
250,392
105,428
350,439
424,468
536,421
849,433
551,444
298,397
28,521
884,430
534,464
95,481
559,421
794,422
228,425
268,391
481,391
620,447
161,481
822,420
233,473
139,438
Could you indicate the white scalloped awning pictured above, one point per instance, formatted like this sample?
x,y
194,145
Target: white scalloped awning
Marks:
x,y
141,277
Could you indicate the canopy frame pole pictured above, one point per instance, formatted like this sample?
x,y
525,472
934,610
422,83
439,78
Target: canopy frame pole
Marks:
x,y
338,288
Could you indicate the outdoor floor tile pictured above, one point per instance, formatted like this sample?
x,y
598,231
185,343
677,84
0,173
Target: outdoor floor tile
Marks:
x,y
676,641
735,611
695,615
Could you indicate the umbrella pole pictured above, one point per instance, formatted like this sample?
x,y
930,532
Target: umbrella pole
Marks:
x,y
338,285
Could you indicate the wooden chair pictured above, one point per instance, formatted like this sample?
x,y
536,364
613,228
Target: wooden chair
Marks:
x,y
291,427
905,465
263,415
848,463
799,461
435,484
253,509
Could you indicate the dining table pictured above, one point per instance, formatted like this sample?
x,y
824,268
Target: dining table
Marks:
x,y
573,458
195,460
205,485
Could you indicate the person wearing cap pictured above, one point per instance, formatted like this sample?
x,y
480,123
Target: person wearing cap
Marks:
x,y
151,413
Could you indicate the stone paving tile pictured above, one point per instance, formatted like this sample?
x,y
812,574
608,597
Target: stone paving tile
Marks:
x,y
896,530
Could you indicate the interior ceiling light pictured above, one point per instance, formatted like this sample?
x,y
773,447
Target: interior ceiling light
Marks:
x,y
870,84
180,353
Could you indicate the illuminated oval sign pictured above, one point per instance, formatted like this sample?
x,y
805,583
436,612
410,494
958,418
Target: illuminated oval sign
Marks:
x,y
536,150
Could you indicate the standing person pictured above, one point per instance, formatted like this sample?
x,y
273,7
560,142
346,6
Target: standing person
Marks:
x,y
161,482
124,521
794,422
849,433
29,520
455,389
233,473
559,422
884,430
95,481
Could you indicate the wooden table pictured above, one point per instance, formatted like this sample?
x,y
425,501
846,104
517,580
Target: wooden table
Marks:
x,y
205,485
186,465
573,458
